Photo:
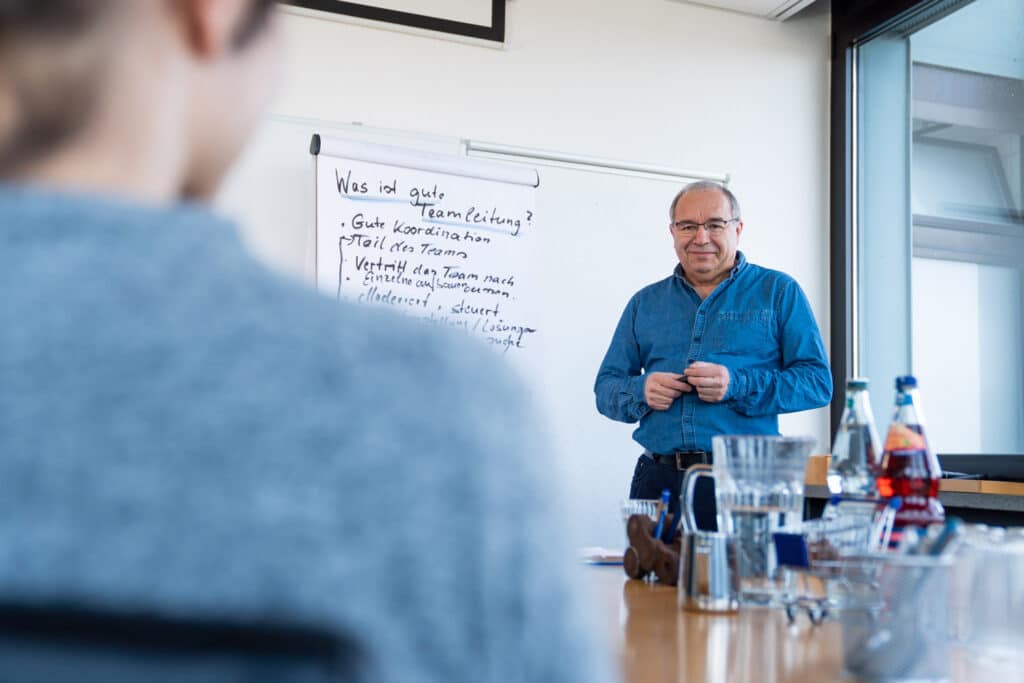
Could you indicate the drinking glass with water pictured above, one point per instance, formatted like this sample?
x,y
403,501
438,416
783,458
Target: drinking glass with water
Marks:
x,y
759,490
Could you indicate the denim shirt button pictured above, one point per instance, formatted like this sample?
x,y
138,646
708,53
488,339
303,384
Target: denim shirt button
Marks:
x,y
696,340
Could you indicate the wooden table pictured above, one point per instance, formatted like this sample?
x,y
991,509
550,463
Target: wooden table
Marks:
x,y
656,641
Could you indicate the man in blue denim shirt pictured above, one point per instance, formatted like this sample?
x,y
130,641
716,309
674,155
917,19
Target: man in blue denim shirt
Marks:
x,y
721,346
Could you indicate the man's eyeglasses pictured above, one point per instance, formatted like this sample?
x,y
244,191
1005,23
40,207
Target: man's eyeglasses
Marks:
x,y
715,226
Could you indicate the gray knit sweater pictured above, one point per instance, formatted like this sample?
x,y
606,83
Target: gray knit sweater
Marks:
x,y
183,431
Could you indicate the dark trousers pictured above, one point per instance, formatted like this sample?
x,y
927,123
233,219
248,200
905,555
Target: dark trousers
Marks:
x,y
651,478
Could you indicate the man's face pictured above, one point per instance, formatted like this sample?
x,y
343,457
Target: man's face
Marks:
x,y
705,257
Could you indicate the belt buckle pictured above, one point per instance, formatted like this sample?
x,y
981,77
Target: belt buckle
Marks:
x,y
689,456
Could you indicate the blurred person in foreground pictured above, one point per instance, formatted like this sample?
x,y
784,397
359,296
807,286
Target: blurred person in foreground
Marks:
x,y
183,431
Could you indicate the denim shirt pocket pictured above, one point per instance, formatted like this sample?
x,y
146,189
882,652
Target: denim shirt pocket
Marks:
x,y
744,333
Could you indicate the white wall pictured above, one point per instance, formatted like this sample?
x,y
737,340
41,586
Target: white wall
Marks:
x,y
649,81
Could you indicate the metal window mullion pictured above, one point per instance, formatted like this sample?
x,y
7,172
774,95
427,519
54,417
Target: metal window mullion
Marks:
x,y
854,244
908,210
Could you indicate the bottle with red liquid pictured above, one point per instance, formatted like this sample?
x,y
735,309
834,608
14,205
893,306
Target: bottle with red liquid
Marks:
x,y
909,468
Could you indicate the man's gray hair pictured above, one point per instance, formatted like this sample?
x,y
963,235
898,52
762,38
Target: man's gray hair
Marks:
x,y
701,186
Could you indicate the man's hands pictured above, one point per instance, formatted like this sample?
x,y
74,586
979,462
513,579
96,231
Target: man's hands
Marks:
x,y
709,379
661,388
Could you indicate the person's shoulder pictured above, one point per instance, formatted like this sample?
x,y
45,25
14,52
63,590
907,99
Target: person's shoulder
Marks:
x,y
770,276
280,344
368,374
655,289
363,347
763,272
382,402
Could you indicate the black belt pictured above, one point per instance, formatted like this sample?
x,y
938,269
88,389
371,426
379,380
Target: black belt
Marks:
x,y
680,460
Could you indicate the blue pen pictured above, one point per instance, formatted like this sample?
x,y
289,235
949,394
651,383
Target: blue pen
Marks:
x,y
663,507
951,530
890,518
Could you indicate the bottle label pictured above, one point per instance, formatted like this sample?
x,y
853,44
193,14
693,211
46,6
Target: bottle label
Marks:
x,y
903,438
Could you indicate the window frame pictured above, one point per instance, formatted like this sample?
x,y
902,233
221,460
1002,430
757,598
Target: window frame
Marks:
x,y
854,22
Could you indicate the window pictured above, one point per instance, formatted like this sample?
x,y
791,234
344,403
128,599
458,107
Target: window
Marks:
x,y
933,218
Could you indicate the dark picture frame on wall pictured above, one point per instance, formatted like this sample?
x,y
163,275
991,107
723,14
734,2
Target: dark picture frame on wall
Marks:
x,y
495,31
